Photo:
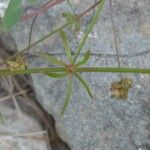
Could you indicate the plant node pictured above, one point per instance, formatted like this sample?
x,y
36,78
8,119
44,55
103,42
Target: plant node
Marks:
x,y
70,69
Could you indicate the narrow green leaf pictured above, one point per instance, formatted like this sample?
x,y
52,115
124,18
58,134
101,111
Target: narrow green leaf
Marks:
x,y
12,15
85,59
68,95
56,75
89,29
85,85
49,58
66,44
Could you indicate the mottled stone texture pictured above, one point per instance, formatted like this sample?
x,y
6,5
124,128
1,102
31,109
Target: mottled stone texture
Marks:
x,y
16,127
100,123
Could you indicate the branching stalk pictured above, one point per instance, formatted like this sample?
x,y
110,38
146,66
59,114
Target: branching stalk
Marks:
x,y
48,35
37,42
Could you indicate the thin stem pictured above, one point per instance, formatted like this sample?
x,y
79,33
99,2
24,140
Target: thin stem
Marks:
x,y
7,72
31,29
2,99
89,9
89,29
112,70
42,9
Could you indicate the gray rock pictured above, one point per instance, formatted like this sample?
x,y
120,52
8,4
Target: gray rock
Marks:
x,y
18,131
101,122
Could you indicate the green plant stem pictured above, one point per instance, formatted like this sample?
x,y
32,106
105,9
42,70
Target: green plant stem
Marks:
x,y
112,70
89,29
7,72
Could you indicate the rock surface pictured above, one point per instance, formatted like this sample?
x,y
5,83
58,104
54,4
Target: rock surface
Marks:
x,y
17,130
101,122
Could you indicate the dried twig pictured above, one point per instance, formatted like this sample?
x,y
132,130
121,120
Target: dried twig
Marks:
x,y
10,96
42,9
